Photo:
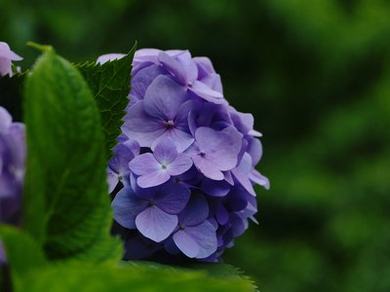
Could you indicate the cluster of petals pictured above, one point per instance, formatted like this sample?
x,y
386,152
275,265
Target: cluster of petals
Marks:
x,y
12,166
183,171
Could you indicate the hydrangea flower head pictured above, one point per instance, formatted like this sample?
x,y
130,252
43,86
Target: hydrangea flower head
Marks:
x,y
188,184
6,58
12,167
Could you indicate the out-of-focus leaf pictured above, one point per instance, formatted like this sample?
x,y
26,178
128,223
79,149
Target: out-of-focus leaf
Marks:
x,y
22,252
138,277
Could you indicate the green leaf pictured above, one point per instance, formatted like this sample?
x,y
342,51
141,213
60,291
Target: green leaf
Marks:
x,y
110,84
219,270
225,270
84,277
215,270
23,253
66,205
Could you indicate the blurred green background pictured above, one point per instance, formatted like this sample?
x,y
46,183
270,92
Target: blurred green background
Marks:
x,y
316,75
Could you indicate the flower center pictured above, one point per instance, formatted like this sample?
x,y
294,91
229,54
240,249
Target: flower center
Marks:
x,y
170,124
202,154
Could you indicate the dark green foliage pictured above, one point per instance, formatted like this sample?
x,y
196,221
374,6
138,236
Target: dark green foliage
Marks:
x,y
11,95
316,76
110,84
66,203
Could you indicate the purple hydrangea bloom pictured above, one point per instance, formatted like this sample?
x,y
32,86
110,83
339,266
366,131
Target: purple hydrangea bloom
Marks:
x,y
188,187
6,58
12,167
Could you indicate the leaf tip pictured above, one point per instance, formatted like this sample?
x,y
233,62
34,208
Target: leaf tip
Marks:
x,y
39,47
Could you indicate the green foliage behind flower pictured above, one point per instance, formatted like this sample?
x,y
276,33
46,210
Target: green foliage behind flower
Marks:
x,y
316,75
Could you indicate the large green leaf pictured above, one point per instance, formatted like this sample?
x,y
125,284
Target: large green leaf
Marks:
x,y
110,84
104,278
66,205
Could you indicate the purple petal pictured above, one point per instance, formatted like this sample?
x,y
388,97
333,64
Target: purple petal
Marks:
x,y
237,200
186,243
133,145
143,58
141,127
207,168
249,212
109,57
6,53
221,147
174,53
228,177
180,165
259,179
181,139
163,98
205,67
144,164
221,214
144,77
145,55
206,238
215,188
155,224
238,225
144,193
165,151
208,114
5,67
5,120
173,198
189,66
255,150
174,67
17,148
126,206
243,121
181,120
153,179
196,211
192,121
213,81
112,180
122,155
255,133
242,172
205,92
190,178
